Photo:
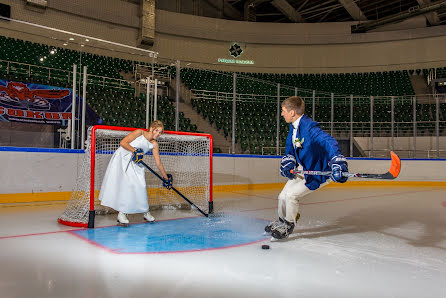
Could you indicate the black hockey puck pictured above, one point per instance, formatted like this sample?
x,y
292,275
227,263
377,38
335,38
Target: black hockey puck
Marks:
x,y
265,246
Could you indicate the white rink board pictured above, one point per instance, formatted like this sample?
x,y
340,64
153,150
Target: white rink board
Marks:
x,y
27,172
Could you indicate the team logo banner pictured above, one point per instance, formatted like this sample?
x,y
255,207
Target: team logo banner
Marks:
x,y
32,103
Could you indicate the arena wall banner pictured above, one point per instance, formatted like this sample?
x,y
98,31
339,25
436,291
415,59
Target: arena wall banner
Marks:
x,y
33,103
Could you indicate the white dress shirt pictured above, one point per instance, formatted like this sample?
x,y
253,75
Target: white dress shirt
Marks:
x,y
295,125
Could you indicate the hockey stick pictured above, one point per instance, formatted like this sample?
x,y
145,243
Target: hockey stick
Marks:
x,y
393,172
173,188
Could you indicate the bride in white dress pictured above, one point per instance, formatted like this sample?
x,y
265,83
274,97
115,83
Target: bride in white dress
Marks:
x,y
124,186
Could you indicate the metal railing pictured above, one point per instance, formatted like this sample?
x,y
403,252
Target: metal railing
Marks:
x,y
38,71
407,153
371,128
144,71
273,150
380,118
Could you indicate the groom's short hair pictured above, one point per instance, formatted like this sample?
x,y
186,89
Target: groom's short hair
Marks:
x,y
294,103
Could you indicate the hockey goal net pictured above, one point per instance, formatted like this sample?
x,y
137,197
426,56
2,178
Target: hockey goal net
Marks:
x,y
187,156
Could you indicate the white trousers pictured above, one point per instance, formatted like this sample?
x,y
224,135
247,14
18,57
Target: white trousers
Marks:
x,y
290,195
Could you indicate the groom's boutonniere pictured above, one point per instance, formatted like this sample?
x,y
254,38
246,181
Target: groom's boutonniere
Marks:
x,y
298,143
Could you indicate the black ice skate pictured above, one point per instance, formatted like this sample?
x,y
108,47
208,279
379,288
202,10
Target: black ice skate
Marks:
x,y
283,230
272,225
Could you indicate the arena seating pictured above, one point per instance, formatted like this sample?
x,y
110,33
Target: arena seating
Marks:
x,y
256,120
121,108
59,58
21,62
392,83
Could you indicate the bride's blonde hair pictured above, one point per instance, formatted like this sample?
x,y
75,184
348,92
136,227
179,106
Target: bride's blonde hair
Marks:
x,y
156,124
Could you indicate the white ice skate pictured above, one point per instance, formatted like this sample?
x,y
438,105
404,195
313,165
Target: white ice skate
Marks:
x,y
122,219
149,217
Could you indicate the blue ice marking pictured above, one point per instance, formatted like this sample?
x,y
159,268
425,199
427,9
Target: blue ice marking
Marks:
x,y
179,235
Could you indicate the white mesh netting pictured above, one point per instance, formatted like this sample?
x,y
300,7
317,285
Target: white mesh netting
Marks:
x,y
186,157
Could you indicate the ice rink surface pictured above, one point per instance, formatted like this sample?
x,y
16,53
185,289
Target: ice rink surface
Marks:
x,y
349,242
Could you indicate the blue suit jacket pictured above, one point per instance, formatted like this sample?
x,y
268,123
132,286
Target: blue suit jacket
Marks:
x,y
318,148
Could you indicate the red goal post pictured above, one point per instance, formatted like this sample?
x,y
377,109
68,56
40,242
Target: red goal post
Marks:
x,y
187,156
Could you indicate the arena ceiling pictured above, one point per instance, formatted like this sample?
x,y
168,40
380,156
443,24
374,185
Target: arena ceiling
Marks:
x,y
312,11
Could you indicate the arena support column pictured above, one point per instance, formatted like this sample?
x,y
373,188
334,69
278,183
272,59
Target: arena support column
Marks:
x,y
371,126
84,106
149,78
392,122
234,109
155,100
414,105
351,125
314,105
73,109
278,119
332,114
437,123
177,95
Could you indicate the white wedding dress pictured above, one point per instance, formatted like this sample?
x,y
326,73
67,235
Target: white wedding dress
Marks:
x,y
124,186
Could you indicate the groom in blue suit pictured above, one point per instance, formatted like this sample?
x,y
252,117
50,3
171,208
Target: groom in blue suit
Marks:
x,y
312,148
